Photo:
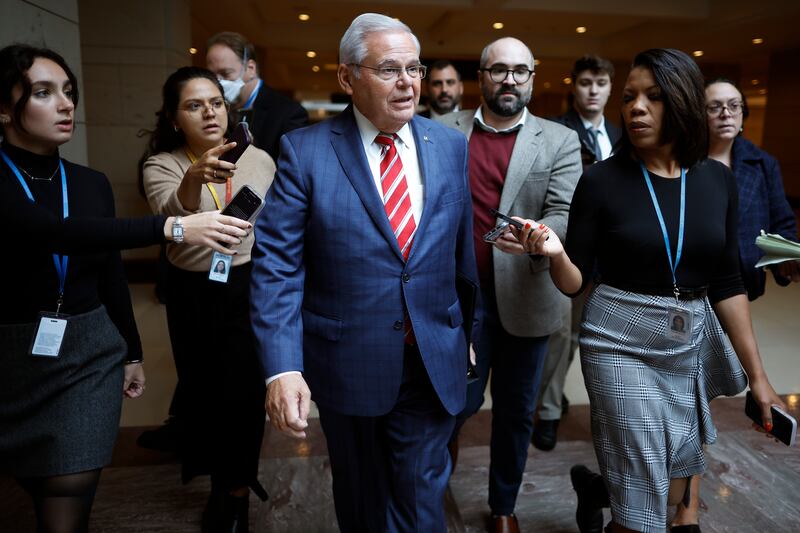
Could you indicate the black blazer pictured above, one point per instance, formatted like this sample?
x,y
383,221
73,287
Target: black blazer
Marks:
x,y
572,120
273,114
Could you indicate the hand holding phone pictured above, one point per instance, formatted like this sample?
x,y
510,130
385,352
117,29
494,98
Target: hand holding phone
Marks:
x,y
243,138
784,425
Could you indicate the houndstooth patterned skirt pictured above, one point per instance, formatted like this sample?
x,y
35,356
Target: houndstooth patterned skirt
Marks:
x,y
649,396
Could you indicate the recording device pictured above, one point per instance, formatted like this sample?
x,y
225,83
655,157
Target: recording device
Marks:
x,y
784,426
245,204
497,231
243,138
516,223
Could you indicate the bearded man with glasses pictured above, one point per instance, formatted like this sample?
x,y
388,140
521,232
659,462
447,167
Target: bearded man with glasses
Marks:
x,y
762,199
518,163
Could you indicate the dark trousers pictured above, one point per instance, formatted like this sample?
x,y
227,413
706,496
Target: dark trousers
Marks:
x,y
390,472
221,386
516,370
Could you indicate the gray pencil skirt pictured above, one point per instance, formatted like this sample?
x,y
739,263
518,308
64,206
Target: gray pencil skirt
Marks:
x,y
649,397
60,415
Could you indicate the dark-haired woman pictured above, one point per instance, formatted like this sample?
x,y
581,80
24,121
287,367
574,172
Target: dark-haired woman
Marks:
x,y
762,200
69,347
659,221
221,385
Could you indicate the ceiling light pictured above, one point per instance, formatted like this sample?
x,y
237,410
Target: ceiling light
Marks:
x,y
331,66
754,82
193,50
580,29
547,85
537,62
304,17
567,81
498,25
762,91
315,68
311,54
698,53
758,40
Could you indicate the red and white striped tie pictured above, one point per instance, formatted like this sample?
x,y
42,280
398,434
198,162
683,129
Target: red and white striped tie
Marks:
x,y
396,199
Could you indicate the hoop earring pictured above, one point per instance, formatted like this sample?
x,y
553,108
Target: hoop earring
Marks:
x,y
175,127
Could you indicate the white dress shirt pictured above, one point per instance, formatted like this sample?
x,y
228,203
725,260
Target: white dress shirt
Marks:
x,y
602,136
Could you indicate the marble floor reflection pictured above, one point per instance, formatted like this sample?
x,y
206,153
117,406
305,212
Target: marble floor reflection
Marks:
x,y
751,484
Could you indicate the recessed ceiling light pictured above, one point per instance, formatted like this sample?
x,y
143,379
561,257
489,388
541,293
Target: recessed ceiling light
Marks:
x,y
304,17
193,50
311,53
580,29
754,81
762,91
537,62
547,85
567,81
758,40
315,68
698,53
498,25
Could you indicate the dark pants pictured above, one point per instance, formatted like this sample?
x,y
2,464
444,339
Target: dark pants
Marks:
x,y
516,369
221,386
390,472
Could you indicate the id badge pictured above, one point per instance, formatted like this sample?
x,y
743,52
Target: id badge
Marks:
x,y
220,267
679,325
49,335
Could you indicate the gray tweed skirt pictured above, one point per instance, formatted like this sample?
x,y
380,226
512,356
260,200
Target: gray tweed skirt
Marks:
x,y
60,416
649,396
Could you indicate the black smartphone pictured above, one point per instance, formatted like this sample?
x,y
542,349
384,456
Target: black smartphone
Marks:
x,y
516,223
245,204
784,426
243,138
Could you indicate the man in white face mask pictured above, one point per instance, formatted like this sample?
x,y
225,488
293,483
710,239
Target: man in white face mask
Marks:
x,y
268,113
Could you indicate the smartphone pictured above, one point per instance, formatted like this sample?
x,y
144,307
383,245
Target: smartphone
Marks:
x,y
492,235
505,218
516,223
784,426
243,138
245,204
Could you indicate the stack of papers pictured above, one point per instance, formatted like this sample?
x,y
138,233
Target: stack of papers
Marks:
x,y
776,249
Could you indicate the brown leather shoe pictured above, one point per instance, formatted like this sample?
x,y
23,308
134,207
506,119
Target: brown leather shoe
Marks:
x,y
506,523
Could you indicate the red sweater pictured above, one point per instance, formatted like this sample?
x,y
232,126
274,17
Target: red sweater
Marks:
x,y
489,155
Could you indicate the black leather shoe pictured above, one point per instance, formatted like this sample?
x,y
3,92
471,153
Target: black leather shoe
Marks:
x,y
592,497
225,513
545,434
162,439
689,528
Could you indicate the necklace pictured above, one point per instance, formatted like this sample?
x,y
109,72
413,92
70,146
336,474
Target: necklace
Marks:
x,y
40,179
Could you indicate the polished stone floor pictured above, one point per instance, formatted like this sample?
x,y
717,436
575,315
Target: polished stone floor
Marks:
x,y
751,484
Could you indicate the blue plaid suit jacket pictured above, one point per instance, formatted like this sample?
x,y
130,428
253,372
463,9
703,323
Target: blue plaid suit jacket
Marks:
x,y
330,287
762,205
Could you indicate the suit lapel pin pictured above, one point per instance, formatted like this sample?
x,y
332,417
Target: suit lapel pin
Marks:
x,y
425,138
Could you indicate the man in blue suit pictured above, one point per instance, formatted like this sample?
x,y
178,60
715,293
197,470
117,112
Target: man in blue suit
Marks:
x,y
367,223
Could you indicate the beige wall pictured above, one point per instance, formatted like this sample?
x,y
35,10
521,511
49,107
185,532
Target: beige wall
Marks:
x,y
129,49
53,24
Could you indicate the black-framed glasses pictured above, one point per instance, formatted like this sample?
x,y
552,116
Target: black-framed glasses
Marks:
x,y
390,73
734,107
499,73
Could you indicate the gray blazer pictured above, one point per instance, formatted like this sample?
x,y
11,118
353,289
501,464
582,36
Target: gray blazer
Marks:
x,y
544,169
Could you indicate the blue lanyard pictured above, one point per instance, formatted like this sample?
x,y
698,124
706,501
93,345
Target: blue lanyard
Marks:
x,y
249,103
59,260
672,265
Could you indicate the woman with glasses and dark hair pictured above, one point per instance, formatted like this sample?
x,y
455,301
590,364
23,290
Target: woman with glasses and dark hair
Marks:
x,y
762,200
658,221
69,346
222,391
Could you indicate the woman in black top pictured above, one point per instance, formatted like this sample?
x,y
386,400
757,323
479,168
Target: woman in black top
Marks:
x,y
61,376
657,223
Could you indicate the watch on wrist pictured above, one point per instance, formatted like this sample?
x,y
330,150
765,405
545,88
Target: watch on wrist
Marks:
x,y
177,231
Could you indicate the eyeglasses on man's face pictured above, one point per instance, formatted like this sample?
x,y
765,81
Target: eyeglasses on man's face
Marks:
x,y
734,107
389,73
499,73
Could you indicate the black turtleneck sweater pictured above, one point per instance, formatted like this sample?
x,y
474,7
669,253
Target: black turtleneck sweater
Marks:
x,y
91,236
